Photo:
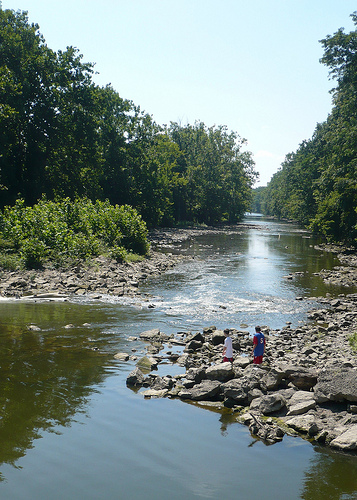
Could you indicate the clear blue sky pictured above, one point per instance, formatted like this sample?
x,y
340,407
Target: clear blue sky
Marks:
x,y
252,65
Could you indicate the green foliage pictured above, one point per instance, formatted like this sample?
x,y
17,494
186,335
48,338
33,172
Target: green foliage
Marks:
x,y
66,230
216,175
317,185
352,340
62,136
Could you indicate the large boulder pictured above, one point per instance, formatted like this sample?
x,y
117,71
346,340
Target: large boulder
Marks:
x,y
204,391
301,402
135,378
301,377
222,372
154,335
270,403
272,379
233,390
347,440
146,364
336,384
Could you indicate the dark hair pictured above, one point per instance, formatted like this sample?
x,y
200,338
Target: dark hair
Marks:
x,y
226,330
257,329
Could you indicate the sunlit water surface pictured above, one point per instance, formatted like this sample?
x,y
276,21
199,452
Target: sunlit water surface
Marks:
x,y
70,428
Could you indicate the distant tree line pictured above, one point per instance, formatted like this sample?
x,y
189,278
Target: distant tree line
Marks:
x,y
62,136
317,184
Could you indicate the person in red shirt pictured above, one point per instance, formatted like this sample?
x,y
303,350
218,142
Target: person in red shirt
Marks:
x,y
258,346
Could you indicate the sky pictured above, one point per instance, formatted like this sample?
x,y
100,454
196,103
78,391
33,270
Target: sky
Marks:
x,y
251,65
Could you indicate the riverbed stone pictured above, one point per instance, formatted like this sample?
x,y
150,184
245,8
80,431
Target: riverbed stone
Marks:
x,y
301,377
222,372
241,362
154,335
121,356
217,337
201,392
233,390
336,384
155,393
272,379
302,423
135,377
302,407
267,404
146,364
346,441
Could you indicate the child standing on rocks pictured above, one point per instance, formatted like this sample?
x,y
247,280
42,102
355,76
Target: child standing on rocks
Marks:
x,y
228,347
258,346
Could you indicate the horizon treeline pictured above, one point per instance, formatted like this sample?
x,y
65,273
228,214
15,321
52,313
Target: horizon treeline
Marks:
x,y
317,184
61,135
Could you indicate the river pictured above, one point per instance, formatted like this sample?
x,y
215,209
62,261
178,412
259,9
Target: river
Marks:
x,y
70,428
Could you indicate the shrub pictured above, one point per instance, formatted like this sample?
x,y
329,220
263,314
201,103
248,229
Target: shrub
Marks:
x,y
352,339
66,230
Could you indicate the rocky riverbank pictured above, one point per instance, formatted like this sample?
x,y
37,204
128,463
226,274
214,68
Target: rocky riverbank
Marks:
x,y
307,385
102,275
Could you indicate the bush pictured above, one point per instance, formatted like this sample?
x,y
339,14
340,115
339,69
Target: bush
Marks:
x,y
67,230
352,339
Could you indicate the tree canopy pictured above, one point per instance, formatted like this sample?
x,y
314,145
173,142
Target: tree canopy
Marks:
x,y
61,135
317,184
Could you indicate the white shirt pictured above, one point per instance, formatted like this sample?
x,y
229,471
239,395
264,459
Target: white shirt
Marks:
x,y
229,347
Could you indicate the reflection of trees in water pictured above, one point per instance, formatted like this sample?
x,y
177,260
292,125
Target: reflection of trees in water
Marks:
x,y
46,378
331,475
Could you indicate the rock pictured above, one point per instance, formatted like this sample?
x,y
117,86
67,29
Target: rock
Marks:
x,y
135,378
302,423
217,337
233,390
193,345
347,440
161,383
154,335
270,403
267,431
196,374
301,377
155,393
336,384
147,364
206,390
121,356
241,362
222,372
198,337
302,407
34,328
272,379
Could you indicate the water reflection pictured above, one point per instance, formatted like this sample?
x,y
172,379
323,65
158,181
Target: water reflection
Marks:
x,y
47,376
330,475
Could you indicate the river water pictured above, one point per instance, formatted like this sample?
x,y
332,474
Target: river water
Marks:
x,y
70,428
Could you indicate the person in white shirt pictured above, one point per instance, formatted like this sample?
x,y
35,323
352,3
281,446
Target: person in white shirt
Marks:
x,y
228,348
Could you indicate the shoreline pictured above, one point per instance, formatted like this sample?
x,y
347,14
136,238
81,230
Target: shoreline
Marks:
x,y
102,275
307,385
